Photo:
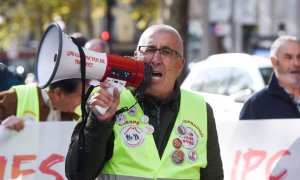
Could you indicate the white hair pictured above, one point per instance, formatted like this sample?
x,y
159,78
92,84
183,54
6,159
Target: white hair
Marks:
x,y
161,28
279,42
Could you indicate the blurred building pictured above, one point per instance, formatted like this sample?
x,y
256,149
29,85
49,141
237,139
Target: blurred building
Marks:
x,y
240,26
214,26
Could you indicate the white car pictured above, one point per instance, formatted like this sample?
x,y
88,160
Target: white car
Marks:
x,y
228,80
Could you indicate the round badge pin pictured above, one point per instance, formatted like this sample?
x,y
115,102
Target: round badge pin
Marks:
x,y
181,130
120,119
192,156
149,129
177,157
145,119
132,135
177,143
29,117
132,111
190,139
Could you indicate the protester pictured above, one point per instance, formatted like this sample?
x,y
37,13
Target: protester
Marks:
x,y
281,98
9,78
169,134
29,102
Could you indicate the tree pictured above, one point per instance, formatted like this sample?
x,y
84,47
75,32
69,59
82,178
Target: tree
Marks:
x,y
31,17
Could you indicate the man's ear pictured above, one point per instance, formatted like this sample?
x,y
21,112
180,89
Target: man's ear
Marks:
x,y
181,64
137,55
274,62
57,92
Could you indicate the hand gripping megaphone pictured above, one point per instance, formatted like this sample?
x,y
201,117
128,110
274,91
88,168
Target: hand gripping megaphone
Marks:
x,y
58,58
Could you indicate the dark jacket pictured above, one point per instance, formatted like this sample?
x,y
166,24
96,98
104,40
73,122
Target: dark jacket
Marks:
x,y
272,102
100,139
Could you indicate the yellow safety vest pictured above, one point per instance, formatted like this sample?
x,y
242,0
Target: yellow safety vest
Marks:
x,y
78,108
28,102
135,155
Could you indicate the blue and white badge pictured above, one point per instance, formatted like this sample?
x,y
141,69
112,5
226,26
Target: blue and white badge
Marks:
x,y
121,119
145,119
132,111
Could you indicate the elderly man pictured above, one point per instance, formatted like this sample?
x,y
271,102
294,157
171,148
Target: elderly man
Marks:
x,y
168,133
281,98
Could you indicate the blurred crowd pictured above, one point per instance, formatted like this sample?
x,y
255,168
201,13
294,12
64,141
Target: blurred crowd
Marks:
x,y
11,75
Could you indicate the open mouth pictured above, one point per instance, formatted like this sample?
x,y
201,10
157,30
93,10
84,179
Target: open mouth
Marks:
x,y
295,72
156,74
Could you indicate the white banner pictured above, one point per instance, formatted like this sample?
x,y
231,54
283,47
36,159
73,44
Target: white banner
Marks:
x,y
36,152
264,149
260,149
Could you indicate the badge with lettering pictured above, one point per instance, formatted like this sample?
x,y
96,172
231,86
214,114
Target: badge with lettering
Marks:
x,y
181,129
132,111
121,119
189,139
132,135
177,143
149,129
177,157
192,156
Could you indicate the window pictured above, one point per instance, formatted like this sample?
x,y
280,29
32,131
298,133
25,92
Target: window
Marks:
x,y
266,73
240,80
213,80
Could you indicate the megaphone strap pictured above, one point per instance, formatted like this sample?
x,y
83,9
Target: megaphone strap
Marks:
x,y
83,153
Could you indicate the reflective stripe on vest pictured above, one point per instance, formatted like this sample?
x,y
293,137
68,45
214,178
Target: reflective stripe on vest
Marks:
x,y
28,102
135,153
119,177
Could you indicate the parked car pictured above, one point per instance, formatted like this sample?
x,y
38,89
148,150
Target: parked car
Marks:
x,y
228,80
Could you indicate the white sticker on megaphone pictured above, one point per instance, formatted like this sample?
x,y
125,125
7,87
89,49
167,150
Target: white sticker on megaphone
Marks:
x,y
120,84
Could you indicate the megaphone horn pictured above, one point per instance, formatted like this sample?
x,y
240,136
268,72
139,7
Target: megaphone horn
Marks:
x,y
58,58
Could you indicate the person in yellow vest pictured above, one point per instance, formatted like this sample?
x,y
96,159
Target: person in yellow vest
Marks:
x,y
29,102
168,133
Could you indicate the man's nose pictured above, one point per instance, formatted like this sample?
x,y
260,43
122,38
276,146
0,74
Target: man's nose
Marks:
x,y
296,61
156,57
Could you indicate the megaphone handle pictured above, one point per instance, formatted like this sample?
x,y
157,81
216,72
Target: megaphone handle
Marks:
x,y
120,84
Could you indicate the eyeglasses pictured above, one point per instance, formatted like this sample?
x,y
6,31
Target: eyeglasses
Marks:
x,y
166,53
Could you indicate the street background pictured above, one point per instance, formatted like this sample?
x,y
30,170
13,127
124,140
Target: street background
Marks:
x,y
207,26
250,150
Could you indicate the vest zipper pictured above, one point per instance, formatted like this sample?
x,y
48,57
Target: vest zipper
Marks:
x,y
158,116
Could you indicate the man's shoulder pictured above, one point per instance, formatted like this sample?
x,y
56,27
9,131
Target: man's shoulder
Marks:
x,y
262,94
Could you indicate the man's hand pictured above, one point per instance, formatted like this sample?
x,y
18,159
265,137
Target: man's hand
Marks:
x,y
14,123
104,99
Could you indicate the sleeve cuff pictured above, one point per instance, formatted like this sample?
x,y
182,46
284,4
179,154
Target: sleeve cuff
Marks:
x,y
92,122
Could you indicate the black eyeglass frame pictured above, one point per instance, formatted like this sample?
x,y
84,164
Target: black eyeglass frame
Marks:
x,y
158,49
